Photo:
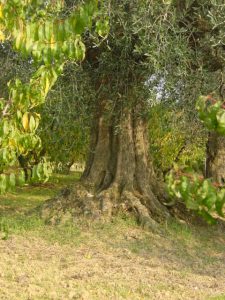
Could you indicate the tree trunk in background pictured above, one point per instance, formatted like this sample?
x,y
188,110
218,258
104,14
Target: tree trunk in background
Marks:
x,y
215,157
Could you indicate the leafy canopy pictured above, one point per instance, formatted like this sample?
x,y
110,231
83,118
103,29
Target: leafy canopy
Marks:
x,y
49,35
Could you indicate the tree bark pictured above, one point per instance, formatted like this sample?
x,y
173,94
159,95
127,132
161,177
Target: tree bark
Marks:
x,y
215,157
119,174
119,162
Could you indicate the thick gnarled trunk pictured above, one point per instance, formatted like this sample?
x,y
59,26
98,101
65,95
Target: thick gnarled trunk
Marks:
x,y
119,175
215,157
119,167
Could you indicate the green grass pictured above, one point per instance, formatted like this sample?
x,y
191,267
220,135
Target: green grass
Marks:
x,y
15,220
180,253
221,297
30,196
15,205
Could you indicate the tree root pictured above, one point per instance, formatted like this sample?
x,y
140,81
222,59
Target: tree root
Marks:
x,y
143,216
72,204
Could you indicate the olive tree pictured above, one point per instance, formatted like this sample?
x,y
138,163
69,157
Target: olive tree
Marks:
x,y
144,39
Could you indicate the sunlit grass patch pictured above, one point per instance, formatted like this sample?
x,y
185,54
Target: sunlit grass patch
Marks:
x,y
29,196
220,297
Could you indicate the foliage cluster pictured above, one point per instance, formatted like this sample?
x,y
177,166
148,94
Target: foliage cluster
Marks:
x,y
65,118
201,195
204,196
47,34
207,38
212,113
173,140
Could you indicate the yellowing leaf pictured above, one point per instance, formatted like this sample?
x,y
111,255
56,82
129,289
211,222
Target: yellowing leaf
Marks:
x,y
25,121
1,14
18,41
47,85
52,42
2,36
12,143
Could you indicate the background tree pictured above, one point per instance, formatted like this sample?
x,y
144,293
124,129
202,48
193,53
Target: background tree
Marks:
x,y
65,119
177,137
207,39
44,32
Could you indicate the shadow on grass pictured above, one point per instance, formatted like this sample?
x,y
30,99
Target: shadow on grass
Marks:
x,y
15,205
198,249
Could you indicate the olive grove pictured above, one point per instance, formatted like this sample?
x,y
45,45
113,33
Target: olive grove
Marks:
x,y
120,51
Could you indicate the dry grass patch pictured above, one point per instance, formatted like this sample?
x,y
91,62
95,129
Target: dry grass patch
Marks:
x,y
116,260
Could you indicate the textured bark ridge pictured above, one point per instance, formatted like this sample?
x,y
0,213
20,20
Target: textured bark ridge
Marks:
x,y
119,174
215,159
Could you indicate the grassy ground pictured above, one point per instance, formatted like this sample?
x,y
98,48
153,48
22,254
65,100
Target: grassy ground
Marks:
x,y
117,260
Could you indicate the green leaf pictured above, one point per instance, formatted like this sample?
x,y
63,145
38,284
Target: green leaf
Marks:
x,y
47,30
19,40
28,45
210,200
20,180
40,171
5,127
102,27
184,184
35,177
79,49
41,32
3,183
60,30
12,181
79,25
191,203
207,216
32,123
220,202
